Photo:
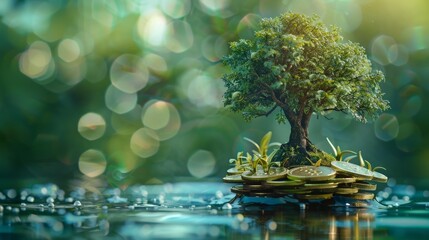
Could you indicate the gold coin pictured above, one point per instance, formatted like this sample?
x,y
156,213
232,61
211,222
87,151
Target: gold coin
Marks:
x,y
313,196
256,186
238,189
311,173
361,196
261,194
323,190
276,173
343,180
379,177
288,191
234,171
346,190
284,183
327,185
233,179
364,186
352,170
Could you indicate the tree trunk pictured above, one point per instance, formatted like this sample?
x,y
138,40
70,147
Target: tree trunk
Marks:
x,y
298,136
299,130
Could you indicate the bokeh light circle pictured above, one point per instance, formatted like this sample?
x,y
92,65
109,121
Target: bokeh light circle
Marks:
x,y
69,50
247,25
180,36
157,115
409,138
386,127
91,126
129,73
176,9
144,142
119,101
162,117
201,164
383,50
348,15
155,63
152,27
92,163
214,48
36,60
128,122
203,91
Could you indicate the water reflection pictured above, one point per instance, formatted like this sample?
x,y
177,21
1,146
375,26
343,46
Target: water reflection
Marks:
x,y
198,211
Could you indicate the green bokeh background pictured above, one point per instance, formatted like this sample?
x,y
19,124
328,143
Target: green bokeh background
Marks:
x,y
181,42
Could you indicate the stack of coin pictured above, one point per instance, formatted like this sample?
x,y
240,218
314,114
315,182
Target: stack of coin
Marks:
x,y
363,187
308,182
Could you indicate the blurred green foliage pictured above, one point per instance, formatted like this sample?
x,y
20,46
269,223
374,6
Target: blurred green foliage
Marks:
x,y
138,83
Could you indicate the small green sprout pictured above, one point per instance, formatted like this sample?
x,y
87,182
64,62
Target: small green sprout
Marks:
x,y
338,154
264,145
260,155
367,164
238,161
316,164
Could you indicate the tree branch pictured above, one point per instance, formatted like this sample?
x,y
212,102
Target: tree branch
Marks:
x,y
268,112
335,109
274,97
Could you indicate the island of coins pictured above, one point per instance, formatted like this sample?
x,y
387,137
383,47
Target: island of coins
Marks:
x,y
306,183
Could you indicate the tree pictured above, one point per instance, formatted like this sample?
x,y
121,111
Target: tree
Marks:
x,y
296,66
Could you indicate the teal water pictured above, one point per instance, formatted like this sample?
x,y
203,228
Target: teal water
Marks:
x,y
205,211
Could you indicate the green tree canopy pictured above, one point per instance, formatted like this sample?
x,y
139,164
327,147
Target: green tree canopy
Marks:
x,y
296,64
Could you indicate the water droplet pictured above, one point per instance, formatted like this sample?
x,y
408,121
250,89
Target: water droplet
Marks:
x,y
272,225
30,199
77,203
50,200
227,206
11,193
51,205
1,208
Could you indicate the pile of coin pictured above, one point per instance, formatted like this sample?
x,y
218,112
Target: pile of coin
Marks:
x,y
308,182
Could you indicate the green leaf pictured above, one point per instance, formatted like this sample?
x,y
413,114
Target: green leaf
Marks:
x,y
263,147
332,146
376,168
347,159
253,142
368,165
362,162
